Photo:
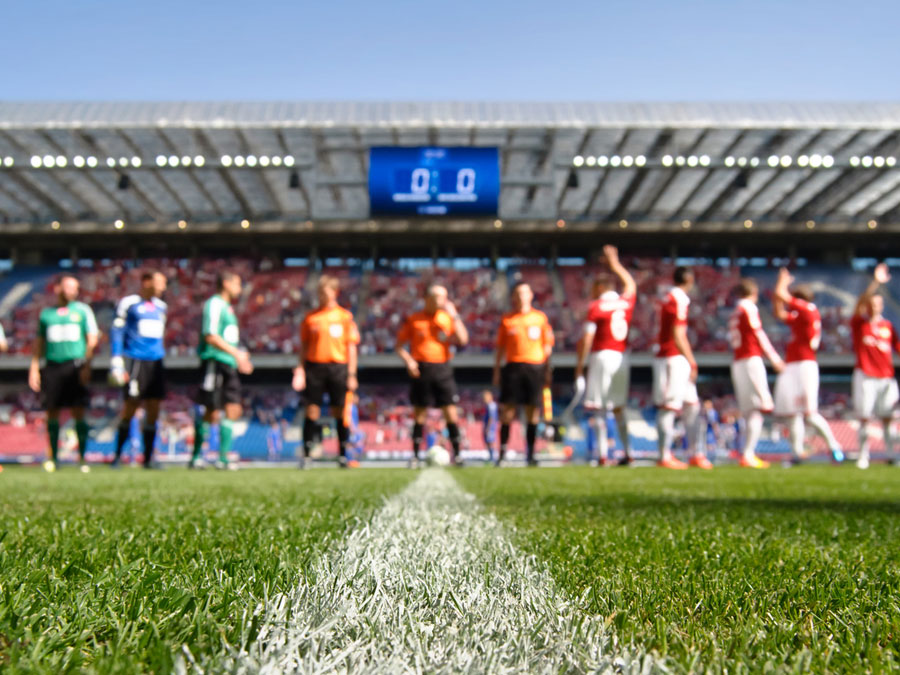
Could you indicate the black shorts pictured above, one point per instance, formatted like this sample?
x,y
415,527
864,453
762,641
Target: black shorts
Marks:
x,y
146,380
61,385
435,387
219,385
322,378
522,384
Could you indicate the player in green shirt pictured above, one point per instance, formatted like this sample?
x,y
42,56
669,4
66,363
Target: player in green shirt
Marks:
x,y
221,359
66,340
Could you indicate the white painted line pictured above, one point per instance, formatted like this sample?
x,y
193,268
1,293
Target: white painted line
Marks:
x,y
433,584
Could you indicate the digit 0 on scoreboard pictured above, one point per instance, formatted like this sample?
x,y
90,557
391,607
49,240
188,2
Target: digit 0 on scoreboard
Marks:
x,y
434,181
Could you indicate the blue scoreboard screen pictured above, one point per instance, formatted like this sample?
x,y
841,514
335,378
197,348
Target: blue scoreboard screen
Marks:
x,y
434,181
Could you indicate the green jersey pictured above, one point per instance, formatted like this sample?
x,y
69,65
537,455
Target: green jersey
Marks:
x,y
65,330
218,319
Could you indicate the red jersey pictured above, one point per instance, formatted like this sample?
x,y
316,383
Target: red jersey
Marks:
x,y
674,313
611,314
872,342
806,330
743,327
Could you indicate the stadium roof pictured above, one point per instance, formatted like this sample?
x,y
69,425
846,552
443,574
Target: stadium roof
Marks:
x,y
665,166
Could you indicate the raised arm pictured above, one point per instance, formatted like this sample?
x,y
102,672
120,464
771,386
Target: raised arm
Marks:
x,y
612,257
781,296
460,332
881,276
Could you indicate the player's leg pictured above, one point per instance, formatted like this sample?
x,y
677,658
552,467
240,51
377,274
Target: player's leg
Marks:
x,y
532,394
53,435
809,384
129,408
886,404
451,417
598,425
864,394
233,412
533,416
420,399
618,398
420,413
75,396
789,407
446,397
754,425
152,384
601,368
507,415
336,384
312,426
230,394
206,409
508,406
754,400
671,377
81,433
148,433
797,433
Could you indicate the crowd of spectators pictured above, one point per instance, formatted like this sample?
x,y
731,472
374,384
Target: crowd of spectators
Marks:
x,y
276,297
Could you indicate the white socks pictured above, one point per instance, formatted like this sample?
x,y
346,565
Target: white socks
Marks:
x,y
665,428
798,431
691,418
890,440
817,422
622,425
598,424
864,441
754,426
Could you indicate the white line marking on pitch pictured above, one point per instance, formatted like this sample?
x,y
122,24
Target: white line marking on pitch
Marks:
x,y
432,584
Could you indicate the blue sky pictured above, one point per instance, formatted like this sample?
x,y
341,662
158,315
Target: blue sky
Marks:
x,y
472,50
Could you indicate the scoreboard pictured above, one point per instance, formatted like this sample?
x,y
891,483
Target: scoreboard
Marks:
x,y
434,181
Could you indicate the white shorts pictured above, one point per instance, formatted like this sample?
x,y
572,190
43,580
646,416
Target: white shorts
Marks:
x,y
797,389
607,380
751,387
672,386
873,397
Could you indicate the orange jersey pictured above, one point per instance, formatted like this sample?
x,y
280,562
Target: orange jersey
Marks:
x,y
523,337
327,334
428,336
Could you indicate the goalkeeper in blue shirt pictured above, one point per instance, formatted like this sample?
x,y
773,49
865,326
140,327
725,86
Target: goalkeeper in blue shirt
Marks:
x,y
137,341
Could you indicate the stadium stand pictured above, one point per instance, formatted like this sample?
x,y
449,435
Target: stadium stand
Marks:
x,y
276,297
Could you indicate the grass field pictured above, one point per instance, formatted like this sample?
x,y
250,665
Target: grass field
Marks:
x,y
793,570
114,572
781,570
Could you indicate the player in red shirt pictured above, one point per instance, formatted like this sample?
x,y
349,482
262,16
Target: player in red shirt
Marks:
x,y
797,386
675,376
874,387
603,347
748,372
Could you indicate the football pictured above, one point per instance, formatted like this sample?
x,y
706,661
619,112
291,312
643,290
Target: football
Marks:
x,y
437,456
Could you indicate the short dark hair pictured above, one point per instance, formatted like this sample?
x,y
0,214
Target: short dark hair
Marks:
x,y
146,275
222,277
520,282
746,287
803,291
605,282
681,273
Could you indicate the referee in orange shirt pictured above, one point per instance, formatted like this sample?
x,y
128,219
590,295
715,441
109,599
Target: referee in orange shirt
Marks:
x,y
525,342
429,334
328,358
